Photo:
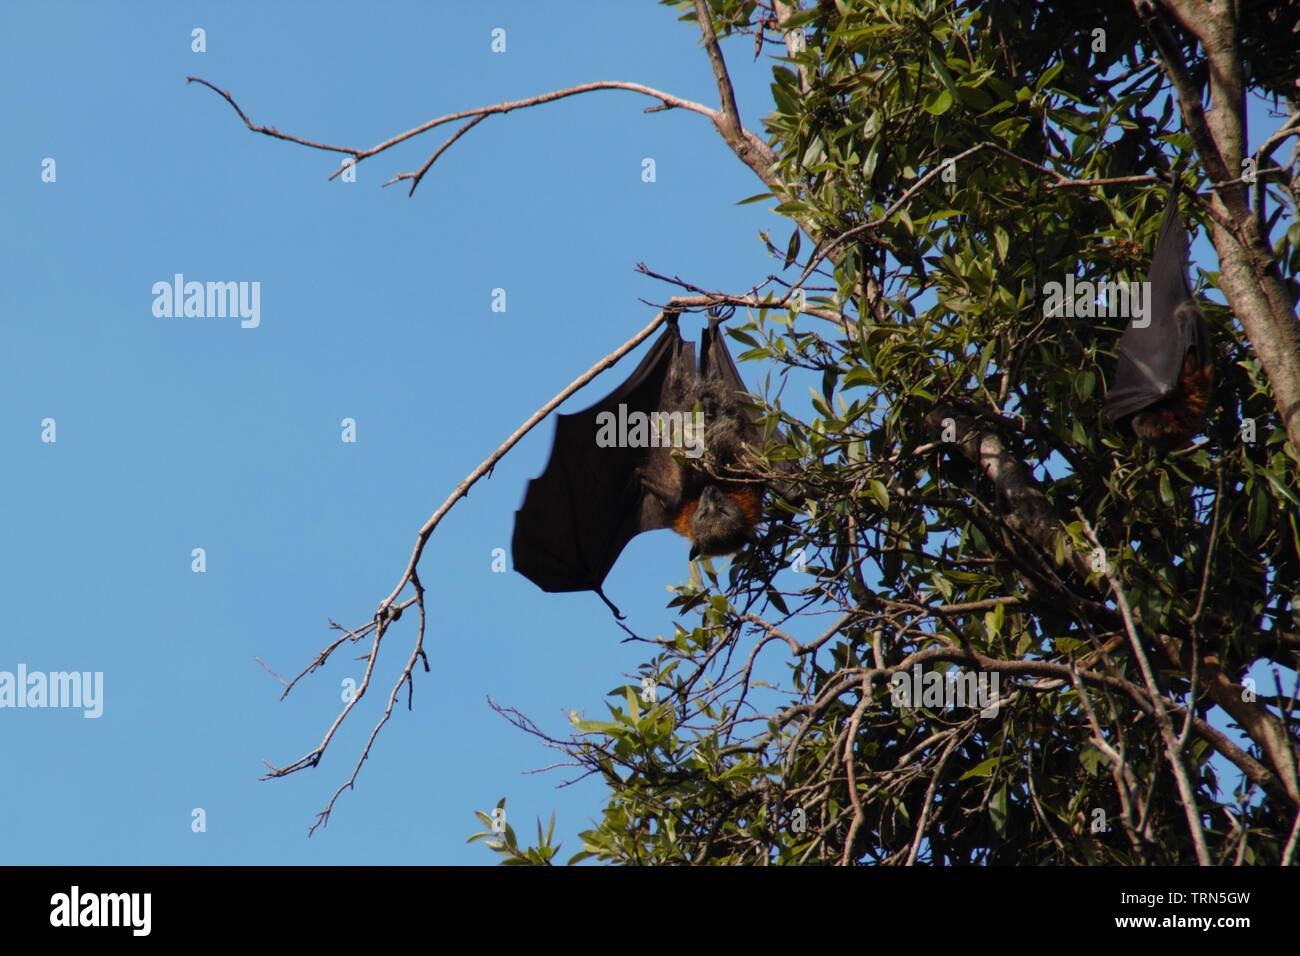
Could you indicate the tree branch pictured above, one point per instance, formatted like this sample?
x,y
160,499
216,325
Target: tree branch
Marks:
x,y
667,101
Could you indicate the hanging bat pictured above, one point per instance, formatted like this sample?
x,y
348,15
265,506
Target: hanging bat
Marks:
x,y
1165,369
600,489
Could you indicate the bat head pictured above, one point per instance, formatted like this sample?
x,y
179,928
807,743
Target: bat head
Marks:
x,y
718,525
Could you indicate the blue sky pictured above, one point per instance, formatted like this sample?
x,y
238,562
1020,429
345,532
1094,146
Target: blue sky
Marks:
x,y
182,433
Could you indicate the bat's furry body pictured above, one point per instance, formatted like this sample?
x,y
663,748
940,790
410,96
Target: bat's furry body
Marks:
x,y
1170,424
706,498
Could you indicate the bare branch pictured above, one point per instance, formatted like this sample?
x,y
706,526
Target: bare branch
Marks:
x,y
666,100
271,130
389,612
730,114
418,175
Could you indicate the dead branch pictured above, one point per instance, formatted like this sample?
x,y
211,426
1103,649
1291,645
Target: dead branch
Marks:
x,y
477,115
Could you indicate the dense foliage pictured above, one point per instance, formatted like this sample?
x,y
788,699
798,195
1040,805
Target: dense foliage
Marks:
x,y
942,498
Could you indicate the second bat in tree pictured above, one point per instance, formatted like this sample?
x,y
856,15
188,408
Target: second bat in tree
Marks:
x,y
1165,369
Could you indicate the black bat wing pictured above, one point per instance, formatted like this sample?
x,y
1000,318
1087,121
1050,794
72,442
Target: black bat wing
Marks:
x,y
716,363
716,360
1150,364
579,514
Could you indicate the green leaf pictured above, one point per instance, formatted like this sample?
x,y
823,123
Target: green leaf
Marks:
x,y
1281,489
1166,490
998,809
986,357
1257,520
984,768
880,493
792,249
1002,242
941,70
857,376
598,727
1048,75
991,624
937,102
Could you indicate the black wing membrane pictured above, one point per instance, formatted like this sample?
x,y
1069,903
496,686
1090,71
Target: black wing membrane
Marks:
x,y
579,514
716,364
716,361
1150,365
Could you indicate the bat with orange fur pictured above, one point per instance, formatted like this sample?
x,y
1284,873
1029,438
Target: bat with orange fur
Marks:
x,y
664,471
1165,370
